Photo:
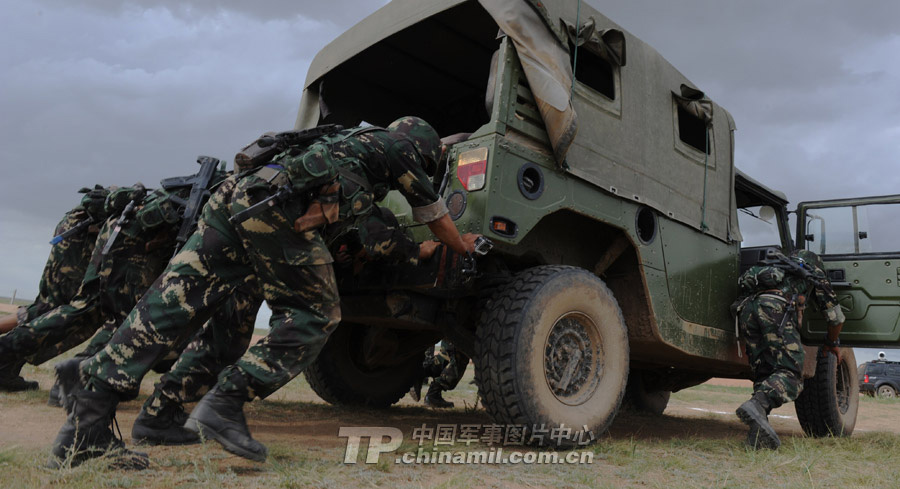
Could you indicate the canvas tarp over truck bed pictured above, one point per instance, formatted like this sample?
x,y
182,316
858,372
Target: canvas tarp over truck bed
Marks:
x,y
628,145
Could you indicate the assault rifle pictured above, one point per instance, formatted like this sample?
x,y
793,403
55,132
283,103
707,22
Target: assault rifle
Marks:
x,y
281,195
796,266
268,145
200,183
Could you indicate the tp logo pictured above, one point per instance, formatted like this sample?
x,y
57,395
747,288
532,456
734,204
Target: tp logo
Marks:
x,y
377,444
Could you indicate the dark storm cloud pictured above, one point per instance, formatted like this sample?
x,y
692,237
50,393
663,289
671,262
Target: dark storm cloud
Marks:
x,y
338,12
112,92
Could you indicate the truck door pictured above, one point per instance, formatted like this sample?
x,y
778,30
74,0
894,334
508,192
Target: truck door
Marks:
x,y
859,241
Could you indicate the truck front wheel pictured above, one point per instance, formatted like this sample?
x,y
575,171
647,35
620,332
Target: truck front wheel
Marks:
x,y
367,366
829,402
551,350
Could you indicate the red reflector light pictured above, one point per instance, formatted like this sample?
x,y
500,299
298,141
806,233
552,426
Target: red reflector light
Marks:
x,y
471,168
866,379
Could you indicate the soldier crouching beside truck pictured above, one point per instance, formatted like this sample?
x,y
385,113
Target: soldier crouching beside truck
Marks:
x,y
770,312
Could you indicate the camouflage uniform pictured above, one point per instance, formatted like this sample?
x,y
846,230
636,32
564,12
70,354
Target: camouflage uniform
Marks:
x,y
110,287
293,268
68,258
447,366
776,355
226,337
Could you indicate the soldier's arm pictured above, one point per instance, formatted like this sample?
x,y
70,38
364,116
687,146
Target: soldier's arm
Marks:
x,y
827,301
427,206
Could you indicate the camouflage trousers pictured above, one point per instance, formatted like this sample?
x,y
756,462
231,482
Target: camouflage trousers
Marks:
x,y
64,269
776,355
447,366
219,343
294,274
109,289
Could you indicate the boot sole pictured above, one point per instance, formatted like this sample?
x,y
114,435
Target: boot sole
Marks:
x,y
149,442
206,432
767,438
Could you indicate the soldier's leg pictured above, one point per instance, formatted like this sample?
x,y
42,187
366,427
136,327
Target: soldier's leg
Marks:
x,y
776,359
298,283
214,347
82,314
454,366
184,297
209,267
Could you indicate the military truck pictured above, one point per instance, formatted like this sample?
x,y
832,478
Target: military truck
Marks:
x,y
606,180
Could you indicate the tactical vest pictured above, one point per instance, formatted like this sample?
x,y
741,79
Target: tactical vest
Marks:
x,y
315,169
162,207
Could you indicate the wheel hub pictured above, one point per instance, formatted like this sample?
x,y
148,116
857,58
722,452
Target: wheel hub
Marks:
x,y
573,358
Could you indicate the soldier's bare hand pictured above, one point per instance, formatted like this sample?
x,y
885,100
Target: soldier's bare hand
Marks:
x,y
834,350
469,241
427,249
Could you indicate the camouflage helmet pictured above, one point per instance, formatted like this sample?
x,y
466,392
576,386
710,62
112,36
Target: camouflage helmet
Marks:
x,y
811,260
423,137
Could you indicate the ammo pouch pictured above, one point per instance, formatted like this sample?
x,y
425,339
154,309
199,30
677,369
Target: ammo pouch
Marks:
x,y
119,198
324,210
159,210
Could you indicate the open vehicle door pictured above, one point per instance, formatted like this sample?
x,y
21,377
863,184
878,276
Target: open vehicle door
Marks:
x,y
859,241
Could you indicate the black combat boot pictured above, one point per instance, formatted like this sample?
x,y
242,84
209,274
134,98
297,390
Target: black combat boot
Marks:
x,y
166,428
88,433
10,380
435,399
753,413
68,378
220,416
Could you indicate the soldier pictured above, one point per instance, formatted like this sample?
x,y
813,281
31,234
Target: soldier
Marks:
x,y
446,369
336,181
378,240
770,311
131,250
69,256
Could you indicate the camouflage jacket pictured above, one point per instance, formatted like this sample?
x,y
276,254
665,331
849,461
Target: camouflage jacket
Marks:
x,y
385,160
768,279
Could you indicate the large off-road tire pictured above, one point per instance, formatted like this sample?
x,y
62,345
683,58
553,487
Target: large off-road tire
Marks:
x,y
552,349
643,399
829,402
340,374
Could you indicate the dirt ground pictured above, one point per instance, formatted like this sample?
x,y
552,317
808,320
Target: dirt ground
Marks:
x,y
298,416
697,442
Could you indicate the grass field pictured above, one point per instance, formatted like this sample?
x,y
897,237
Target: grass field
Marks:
x,y
696,443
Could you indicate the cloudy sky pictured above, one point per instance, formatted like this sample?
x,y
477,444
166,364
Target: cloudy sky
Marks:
x,y
114,92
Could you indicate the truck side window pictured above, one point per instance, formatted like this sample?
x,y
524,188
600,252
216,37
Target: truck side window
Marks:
x,y
693,131
593,71
853,229
755,231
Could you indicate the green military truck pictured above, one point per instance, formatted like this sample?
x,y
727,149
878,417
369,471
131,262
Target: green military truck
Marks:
x,y
613,202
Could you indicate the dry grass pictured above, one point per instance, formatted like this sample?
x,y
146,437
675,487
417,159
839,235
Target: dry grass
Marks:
x,y
672,451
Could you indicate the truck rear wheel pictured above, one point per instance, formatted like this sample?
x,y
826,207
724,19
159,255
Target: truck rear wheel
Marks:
x,y
552,349
830,400
361,365
641,398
